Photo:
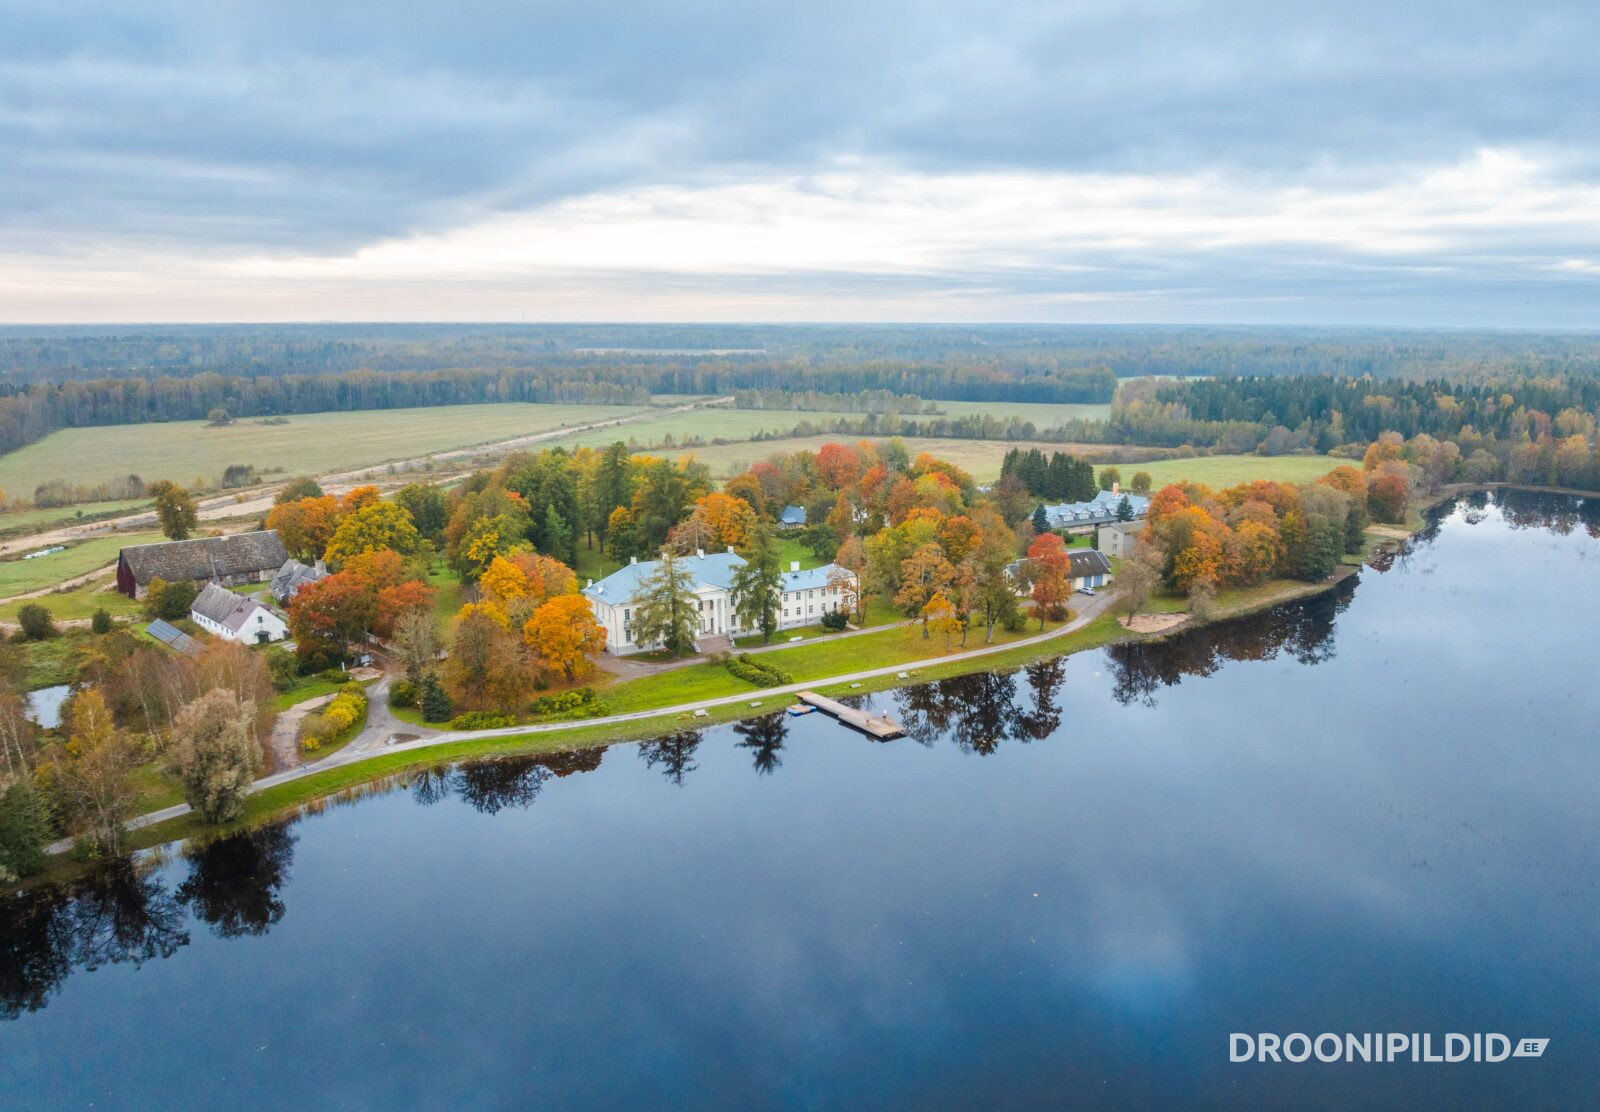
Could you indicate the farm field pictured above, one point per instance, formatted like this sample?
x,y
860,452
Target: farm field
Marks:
x,y
980,458
309,444
719,423
1044,415
32,521
1226,471
20,576
80,602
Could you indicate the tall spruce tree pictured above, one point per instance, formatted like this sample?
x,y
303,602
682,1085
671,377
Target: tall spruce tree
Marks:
x,y
758,585
665,609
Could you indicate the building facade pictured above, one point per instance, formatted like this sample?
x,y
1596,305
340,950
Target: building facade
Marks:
x,y
1102,509
806,595
1120,538
232,617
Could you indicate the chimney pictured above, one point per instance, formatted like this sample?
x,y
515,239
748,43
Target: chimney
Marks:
x,y
633,559
1116,487
700,553
590,583
794,565
730,550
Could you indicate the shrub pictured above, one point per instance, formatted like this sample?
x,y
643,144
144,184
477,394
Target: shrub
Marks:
x,y
35,622
101,622
402,693
751,670
334,675
315,732
578,703
835,620
283,668
169,601
1014,622
481,720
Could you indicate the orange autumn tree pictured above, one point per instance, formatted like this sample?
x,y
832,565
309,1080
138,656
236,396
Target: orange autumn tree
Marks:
x,y
923,574
561,636
520,583
1049,568
305,526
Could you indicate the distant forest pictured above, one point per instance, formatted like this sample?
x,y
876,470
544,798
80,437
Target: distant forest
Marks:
x,y
1233,389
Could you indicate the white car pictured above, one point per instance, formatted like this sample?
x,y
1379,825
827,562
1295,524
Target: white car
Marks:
x,y
1086,591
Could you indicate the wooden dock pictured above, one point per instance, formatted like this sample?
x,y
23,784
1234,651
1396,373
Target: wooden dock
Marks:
x,y
880,726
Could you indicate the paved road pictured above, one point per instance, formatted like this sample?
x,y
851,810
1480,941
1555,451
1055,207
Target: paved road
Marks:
x,y
372,738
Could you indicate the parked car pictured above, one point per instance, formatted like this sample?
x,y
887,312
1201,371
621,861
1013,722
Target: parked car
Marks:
x,y
1086,591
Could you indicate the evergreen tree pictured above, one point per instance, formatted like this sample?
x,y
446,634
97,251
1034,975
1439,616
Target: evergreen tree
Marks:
x,y
613,484
1041,520
758,586
666,611
434,702
1124,509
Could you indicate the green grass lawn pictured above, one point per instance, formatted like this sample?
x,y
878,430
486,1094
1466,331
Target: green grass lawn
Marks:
x,y
1226,471
19,576
448,594
803,662
80,602
791,549
309,687
593,563
309,444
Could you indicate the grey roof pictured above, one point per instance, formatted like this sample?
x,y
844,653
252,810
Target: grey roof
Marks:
x,y
216,603
792,515
1089,561
1100,509
288,580
240,554
713,569
172,636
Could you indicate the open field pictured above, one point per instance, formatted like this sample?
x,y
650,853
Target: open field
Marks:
x,y
980,458
716,423
79,602
1226,471
32,521
1044,415
19,576
309,444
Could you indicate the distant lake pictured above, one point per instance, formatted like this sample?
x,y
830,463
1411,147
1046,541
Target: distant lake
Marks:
x,y
1373,811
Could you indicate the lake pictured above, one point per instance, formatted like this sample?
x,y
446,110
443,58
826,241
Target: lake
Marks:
x,y
1370,812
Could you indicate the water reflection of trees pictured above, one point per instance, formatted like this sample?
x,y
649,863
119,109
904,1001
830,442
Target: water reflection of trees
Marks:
x,y
234,884
981,710
120,915
764,738
673,754
1303,629
493,785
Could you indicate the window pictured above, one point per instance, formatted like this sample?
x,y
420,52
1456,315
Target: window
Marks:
x,y
627,615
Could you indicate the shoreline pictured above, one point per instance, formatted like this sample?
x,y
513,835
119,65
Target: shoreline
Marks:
x,y
298,792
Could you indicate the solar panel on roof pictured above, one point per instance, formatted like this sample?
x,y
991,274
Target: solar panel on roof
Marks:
x,y
170,635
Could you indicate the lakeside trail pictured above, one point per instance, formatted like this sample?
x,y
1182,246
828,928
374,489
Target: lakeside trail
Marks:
x,y
259,501
374,739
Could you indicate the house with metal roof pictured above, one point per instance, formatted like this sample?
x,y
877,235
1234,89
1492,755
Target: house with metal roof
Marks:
x,y
1087,567
1102,509
807,594
230,561
224,614
792,517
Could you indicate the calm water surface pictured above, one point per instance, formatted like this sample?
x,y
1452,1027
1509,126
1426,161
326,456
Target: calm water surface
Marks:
x,y
1376,811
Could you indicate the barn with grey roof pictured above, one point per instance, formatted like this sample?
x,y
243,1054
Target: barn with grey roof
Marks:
x,y
230,561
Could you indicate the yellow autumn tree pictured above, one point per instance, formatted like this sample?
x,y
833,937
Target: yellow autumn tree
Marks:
x,y
562,634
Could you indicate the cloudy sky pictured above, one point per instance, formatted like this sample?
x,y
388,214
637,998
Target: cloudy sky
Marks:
x,y
1395,162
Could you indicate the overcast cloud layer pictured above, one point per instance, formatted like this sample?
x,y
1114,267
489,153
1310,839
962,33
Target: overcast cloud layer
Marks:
x,y
1406,163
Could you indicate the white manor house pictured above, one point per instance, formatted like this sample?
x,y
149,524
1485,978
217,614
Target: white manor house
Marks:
x,y
808,594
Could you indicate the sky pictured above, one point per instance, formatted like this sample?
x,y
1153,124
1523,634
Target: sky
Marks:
x,y
1351,162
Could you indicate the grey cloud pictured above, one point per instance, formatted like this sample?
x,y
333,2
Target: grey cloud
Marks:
x,y
319,126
